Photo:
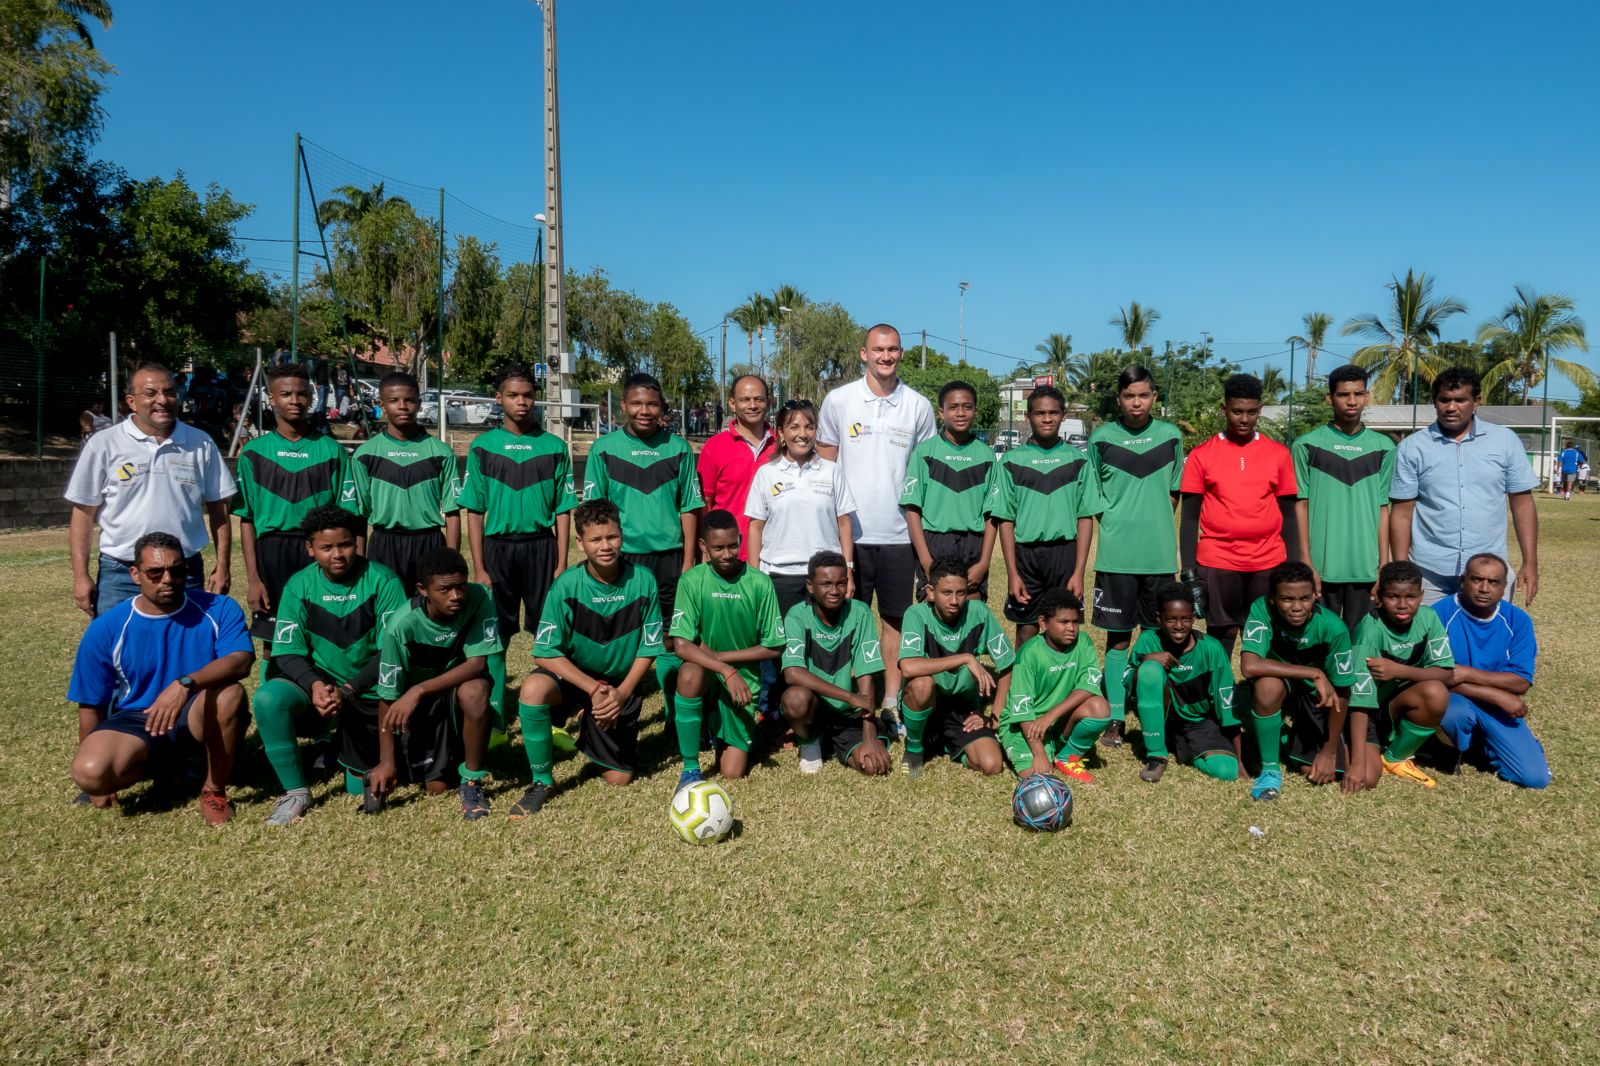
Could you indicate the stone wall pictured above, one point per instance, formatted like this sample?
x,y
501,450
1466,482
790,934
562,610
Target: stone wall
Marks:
x,y
30,493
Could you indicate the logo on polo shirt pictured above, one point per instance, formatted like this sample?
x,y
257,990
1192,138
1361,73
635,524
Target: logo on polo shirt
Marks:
x,y
779,487
857,429
127,471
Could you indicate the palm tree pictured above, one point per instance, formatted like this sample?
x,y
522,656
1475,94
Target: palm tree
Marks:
x,y
1273,385
761,309
1317,323
79,10
785,300
1403,342
1059,362
1527,334
1135,323
748,318
351,203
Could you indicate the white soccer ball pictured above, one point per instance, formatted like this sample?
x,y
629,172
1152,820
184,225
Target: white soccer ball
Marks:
x,y
701,813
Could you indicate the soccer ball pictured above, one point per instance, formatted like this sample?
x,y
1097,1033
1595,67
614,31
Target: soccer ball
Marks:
x,y
1042,803
701,813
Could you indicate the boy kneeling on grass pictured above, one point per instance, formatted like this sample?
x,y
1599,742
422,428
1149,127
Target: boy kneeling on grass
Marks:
x,y
1055,707
1403,668
1297,654
831,654
947,689
435,662
1181,683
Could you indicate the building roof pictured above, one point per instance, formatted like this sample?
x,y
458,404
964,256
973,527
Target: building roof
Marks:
x,y
1393,417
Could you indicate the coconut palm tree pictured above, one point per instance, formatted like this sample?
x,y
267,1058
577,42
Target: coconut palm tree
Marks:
x,y
1059,362
748,318
79,10
351,203
1317,323
1135,322
1403,338
1526,336
1273,385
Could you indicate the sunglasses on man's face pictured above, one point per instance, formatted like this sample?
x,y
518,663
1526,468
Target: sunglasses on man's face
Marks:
x,y
154,573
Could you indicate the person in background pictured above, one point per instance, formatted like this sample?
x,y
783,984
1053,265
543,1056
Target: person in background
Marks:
x,y
93,419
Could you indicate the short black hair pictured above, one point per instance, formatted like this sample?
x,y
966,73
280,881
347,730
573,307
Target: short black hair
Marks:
x,y
158,540
823,559
957,386
1399,572
1348,372
288,370
399,377
1481,556
1241,387
642,380
1058,599
1172,592
330,517
439,562
947,566
1289,573
595,513
1047,392
718,518
151,366
514,372
1455,377
1134,373
734,384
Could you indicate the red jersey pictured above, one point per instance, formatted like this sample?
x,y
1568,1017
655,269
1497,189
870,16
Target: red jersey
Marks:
x,y
1241,527
727,466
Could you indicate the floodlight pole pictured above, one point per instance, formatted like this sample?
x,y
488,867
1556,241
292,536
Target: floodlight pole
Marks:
x,y
555,318
294,260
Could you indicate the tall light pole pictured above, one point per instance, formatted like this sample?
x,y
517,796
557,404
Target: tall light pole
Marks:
x,y
554,303
777,343
962,320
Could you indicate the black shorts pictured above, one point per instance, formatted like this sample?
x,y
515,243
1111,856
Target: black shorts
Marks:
x,y
399,550
1229,594
279,556
616,748
667,568
791,589
964,546
844,733
946,730
1350,600
1122,601
428,749
166,753
522,567
1042,565
890,571
1189,740
1308,726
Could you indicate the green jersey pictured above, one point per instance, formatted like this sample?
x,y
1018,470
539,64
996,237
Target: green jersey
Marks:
x,y
728,614
406,484
1044,677
1137,472
1423,643
1345,483
949,484
923,635
651,481
281,480
337,624
519,482
417,649
1201,685
1044,491
838,654
602,628
1323,642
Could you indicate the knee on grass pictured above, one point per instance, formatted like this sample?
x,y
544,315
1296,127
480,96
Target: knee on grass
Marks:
x,y
986,758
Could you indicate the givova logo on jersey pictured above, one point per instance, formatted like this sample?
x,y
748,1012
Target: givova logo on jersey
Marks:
x,y
997,645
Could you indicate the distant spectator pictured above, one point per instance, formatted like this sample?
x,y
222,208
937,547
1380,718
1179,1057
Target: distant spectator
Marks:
x,y
93,419
280,354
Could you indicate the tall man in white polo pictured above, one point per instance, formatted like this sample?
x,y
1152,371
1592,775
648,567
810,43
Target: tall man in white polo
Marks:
x,y
148,472
869,427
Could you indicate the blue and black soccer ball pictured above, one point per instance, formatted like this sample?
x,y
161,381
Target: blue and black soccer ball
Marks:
x,y
1042,803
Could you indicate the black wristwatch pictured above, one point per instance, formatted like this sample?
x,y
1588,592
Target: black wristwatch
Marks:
x,y
186,683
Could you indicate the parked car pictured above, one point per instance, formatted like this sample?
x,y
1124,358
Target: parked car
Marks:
x,y
1079,441
461,408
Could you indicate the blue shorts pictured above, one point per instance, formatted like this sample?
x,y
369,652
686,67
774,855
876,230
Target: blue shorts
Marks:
x,y
170,749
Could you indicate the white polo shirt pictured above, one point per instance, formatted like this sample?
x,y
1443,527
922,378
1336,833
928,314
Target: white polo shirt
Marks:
x,y
144,485
875,435
801,506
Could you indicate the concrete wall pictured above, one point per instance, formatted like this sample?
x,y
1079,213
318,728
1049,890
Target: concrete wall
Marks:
x,y
30,493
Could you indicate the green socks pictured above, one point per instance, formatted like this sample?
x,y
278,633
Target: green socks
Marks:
x,y
667,677
916,723
1116,695
1408,737
1216,764
1269,735
1081,740
276,704
535,718
691,709
1150,688
497,692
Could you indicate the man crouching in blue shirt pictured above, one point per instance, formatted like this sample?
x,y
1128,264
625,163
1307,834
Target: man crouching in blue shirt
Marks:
x,y
156,678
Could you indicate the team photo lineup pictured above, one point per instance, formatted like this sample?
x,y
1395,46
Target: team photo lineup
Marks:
x,y
817,577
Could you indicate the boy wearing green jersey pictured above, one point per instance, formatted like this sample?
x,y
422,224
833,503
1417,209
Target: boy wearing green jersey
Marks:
x,y
1298,657
1403,668
325,645
944,492
1043,501
435,661
406,484
1343,471
947,686
726,624
831,652
1055,707
1181,683
1138,464
596,640
283,475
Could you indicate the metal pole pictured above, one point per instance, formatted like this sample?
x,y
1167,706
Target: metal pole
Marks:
x,y
1289,431
261,412
962,320
726,399
555,261
1549,432
112,381
924,362
294,259
1413,395
38,351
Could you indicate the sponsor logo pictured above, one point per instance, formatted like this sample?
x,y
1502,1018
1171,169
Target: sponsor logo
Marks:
x,y
870,651
1439,647
780,487
1363,684
588,490
388,675
293,455
571,490
1023,702
907,485
795,647
491,630
1093,675
913,640
1341,662
518,447
677,616
727,596
546,634
652,633
1256,630
1227,695
284,632
997,645
349,492
441,638
127,472
1348,448
645,451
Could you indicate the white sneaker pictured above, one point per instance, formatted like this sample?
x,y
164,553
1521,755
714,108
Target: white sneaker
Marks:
x,y
811,757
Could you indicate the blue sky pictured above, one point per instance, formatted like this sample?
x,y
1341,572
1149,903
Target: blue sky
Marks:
x,y
1233,165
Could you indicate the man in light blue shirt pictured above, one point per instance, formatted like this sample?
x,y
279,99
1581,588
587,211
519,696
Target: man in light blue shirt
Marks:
x,y
1451,483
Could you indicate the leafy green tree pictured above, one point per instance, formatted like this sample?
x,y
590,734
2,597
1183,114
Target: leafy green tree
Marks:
x,y
1274,385
1317,324
822,348
1526,336
941,371
477,297
385,267
51,78
518,335
1404,337
678,357
1135,322
1063,367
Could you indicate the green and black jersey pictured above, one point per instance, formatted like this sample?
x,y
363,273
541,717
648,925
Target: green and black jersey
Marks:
x,y
406,484
337,625
652,481
601,628
838,654
1345,483
949,484
975,631
1323,642
1423,643
282,480
1200,686
519,482
1044,677
1044,491
418,649
1137,473
728,614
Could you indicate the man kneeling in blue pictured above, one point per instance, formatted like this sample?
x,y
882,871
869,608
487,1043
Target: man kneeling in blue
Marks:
x,y
1494,649
157,678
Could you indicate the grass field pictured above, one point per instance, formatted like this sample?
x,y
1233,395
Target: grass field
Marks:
x,y
848,920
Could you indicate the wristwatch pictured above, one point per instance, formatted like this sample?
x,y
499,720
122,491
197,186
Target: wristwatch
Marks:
x,y
186,682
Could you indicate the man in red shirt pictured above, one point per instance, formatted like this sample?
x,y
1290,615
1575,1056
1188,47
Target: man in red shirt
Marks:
x,y
729,459
1238,519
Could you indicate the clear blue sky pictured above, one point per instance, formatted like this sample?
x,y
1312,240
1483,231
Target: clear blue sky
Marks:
x,y
1233,165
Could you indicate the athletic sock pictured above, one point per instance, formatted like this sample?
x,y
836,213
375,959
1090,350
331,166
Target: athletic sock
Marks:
x,y
535,718
690,711
1150,689
916,723
1269,734
274,712
354,783
472,775
497,692
1408,737
1216,764
1116,694
667,677
1083,736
